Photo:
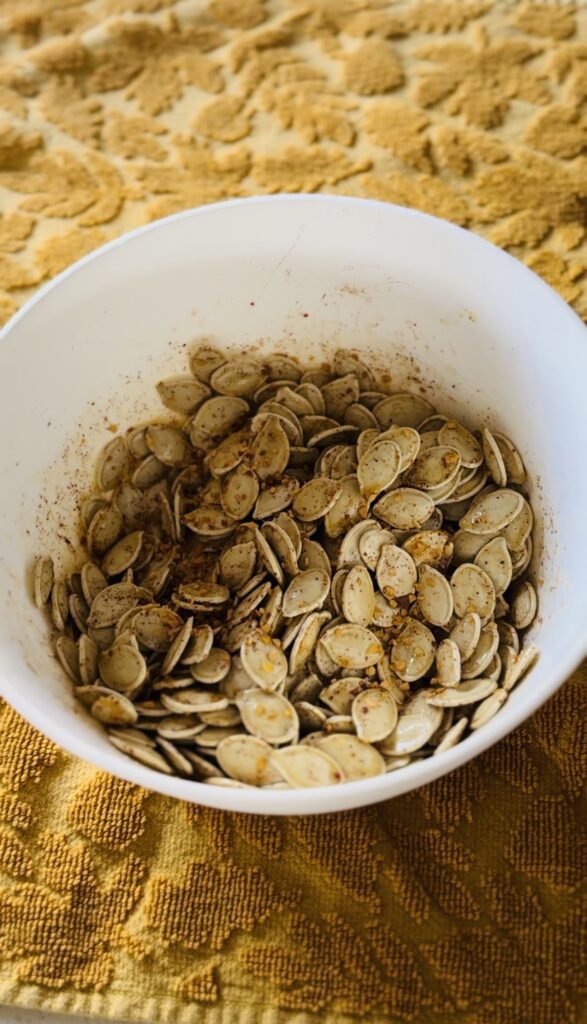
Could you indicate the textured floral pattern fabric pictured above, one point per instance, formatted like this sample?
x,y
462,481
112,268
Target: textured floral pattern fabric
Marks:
x,y
460,902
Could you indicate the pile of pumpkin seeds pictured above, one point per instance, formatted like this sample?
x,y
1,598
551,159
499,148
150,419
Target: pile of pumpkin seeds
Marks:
x,y
296,580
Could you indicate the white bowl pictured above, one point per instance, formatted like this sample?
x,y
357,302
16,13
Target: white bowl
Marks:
x,y
429,303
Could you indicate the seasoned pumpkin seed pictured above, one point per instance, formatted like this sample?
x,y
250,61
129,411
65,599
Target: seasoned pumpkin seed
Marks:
x,y
43,580
374,713
305,766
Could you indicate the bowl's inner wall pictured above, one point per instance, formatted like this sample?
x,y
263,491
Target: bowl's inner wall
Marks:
x,y
430,309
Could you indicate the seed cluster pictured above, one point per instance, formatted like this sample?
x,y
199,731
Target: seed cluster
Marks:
x,y
299,581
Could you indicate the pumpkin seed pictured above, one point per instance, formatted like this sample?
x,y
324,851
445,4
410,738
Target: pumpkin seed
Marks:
x,y
452,736
432,547
378,468
287,523
294,401
156,627
412,653
464,491
404,509
142,753
345,362
339,724
402,410
365,439
524,605
248,604
263,660
466,546
485,711
308,689
123,555
344,463
313,556
448,663
384,615
346,510
247,759
216,417
493,458
472,591
104,530
269,451
434,468
168,445
237,377
470,692
349,553
371,543
435,597
313,395
240,490
237,564
112,465
191,701
375,715
493,512
43,580
204,360
355,758
351,646
339,695
466,634
456,436
305,640
229,453
89,507
68,655
182,394
213,668
122,668
517,533
358,415
417,722
210,521
269,716
114,709
516,664
512,460
275,498
494,559
198,647
282,546
358,597
396,572
338,394
306,592
305,766
202,592
180,727
88,660
316,498
336,589
407,440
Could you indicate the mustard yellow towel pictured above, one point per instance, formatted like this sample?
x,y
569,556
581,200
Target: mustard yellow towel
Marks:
x,y
458,903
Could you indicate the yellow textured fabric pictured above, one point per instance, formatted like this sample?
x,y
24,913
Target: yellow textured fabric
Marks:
x,y
459,902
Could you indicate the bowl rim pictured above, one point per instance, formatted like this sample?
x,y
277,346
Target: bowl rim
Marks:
x,y
350,794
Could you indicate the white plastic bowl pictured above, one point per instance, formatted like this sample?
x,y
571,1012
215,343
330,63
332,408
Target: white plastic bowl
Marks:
x,y
427,301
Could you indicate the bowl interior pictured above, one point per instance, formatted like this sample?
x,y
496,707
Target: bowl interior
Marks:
x,y
432,309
